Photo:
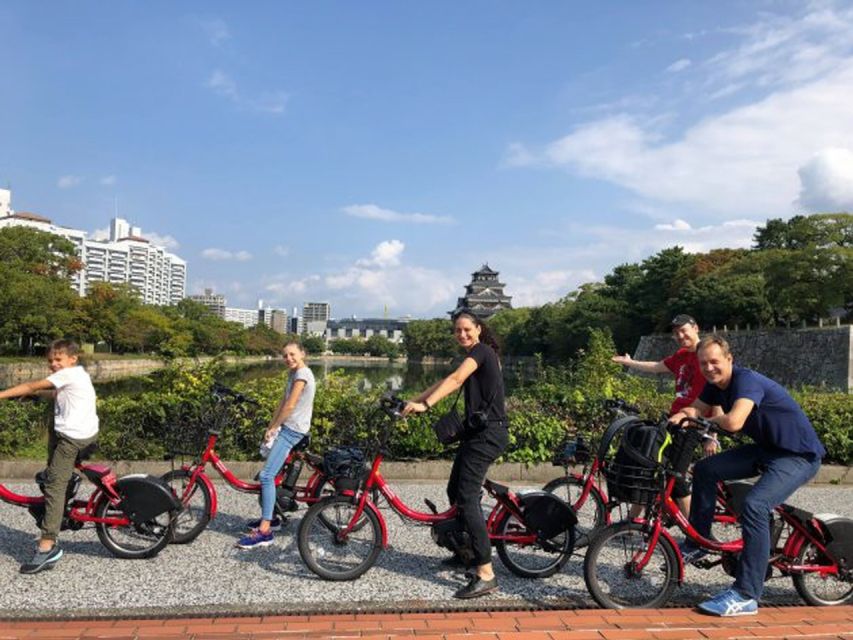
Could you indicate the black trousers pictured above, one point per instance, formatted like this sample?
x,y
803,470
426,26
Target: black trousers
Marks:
x,y
472,461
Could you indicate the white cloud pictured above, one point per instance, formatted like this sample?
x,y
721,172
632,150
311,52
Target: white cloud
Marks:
x,y
165,241
518,155
746,160
386,254
372,284
223,254
216,30
281,251
547,286
222,84
273,102
374,212
66,182
826,181
679,65
100,234
108,181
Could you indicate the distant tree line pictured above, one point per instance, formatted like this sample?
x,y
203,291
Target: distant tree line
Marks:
x,y
797,270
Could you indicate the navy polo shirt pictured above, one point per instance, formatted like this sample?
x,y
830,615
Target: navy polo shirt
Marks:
x,y
775,421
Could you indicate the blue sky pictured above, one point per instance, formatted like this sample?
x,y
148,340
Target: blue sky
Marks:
x,y
374,154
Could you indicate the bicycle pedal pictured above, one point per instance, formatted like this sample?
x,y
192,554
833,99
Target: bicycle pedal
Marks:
x,y
707,563
429,503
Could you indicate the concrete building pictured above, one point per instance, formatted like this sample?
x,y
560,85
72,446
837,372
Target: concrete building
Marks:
x,y
126,257
213,301
316,312
247,317
365,328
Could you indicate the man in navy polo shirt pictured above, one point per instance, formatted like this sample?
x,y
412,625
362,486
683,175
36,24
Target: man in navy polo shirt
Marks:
x,y
786,452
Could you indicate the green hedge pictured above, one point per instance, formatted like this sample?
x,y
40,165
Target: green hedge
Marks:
x,y
544,406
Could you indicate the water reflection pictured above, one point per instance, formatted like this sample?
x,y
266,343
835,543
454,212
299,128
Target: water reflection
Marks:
x,y
393,376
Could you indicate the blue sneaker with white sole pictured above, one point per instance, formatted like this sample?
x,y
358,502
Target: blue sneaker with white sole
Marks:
x,y
255,540
729,603
690,553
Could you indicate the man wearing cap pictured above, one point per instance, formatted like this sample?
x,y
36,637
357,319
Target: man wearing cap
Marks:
x,y
689,383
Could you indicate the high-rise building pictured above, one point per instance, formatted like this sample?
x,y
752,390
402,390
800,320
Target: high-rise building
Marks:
x,y
125,257
316,312
485,295
213,301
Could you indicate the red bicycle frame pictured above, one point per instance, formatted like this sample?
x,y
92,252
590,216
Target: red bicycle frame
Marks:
x,y
507,502
302,493
78,510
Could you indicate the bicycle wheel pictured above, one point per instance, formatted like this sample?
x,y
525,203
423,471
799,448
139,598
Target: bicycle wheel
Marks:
x,y
195,515
818,590
592,514
537,560
330,557
132,541
326,489
612,577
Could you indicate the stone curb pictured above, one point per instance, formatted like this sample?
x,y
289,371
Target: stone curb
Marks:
x,y
432,470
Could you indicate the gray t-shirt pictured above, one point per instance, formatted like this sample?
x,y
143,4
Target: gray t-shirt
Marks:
x,y
299,419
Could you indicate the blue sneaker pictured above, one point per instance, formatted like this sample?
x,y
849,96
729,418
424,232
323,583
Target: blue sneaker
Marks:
x,y
729,603
275,524
255,540
690,553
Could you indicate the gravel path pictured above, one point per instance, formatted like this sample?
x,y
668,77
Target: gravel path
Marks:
x,y
212,576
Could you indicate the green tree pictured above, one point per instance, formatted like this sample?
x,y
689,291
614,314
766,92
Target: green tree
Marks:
x,y
35,293
425,338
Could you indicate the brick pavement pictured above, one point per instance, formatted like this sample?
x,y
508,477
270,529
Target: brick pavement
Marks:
x,y
824,623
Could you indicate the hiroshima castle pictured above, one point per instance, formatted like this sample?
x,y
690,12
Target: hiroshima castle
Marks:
x,y
485,294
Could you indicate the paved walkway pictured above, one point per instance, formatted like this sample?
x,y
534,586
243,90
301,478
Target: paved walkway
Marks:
x,y
825,623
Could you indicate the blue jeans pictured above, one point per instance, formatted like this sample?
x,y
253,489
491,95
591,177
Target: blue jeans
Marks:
x,y
782,473
286,439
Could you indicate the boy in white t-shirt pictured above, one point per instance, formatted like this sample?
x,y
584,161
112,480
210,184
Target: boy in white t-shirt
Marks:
x,y
75,428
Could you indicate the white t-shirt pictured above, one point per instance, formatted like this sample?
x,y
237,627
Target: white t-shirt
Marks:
x,y
300,418
75,412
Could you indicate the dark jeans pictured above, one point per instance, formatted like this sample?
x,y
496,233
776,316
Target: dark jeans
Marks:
x,y
472,461
61,456
782,473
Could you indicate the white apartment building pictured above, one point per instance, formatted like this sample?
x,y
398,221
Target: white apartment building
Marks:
x,y
125,257
247,317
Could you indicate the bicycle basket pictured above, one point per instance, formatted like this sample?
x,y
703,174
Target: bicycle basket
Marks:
x,y
634,475
185,437
575,451
345,466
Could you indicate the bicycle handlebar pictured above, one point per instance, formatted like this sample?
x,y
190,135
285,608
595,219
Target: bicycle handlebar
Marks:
x,y
392,406
221,392
704,424
617,404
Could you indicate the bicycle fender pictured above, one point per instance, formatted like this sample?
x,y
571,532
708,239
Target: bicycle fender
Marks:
x,y
368,504
143,497
839,537
666,534
204,479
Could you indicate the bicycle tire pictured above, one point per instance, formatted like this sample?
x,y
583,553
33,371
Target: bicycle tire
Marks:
x,y
609,558
328,557
325,485
132,542
547,565
592,514
807,584
193,518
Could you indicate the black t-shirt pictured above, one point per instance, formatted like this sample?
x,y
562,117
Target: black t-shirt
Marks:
x,y
484,389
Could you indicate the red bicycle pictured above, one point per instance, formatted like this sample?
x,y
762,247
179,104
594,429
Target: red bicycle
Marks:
x,y
638,563
197,492
133,515
341,537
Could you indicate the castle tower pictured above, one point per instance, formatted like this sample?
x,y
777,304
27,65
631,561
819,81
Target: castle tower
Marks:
x,y
485,295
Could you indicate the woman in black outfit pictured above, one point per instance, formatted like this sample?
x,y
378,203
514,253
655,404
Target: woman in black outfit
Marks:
x,y
485,440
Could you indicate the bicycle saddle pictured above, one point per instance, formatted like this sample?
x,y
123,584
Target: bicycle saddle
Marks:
x,y
303,444
86,452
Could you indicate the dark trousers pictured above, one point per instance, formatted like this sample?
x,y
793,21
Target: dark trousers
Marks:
x,y
61,455
783,473
472,461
